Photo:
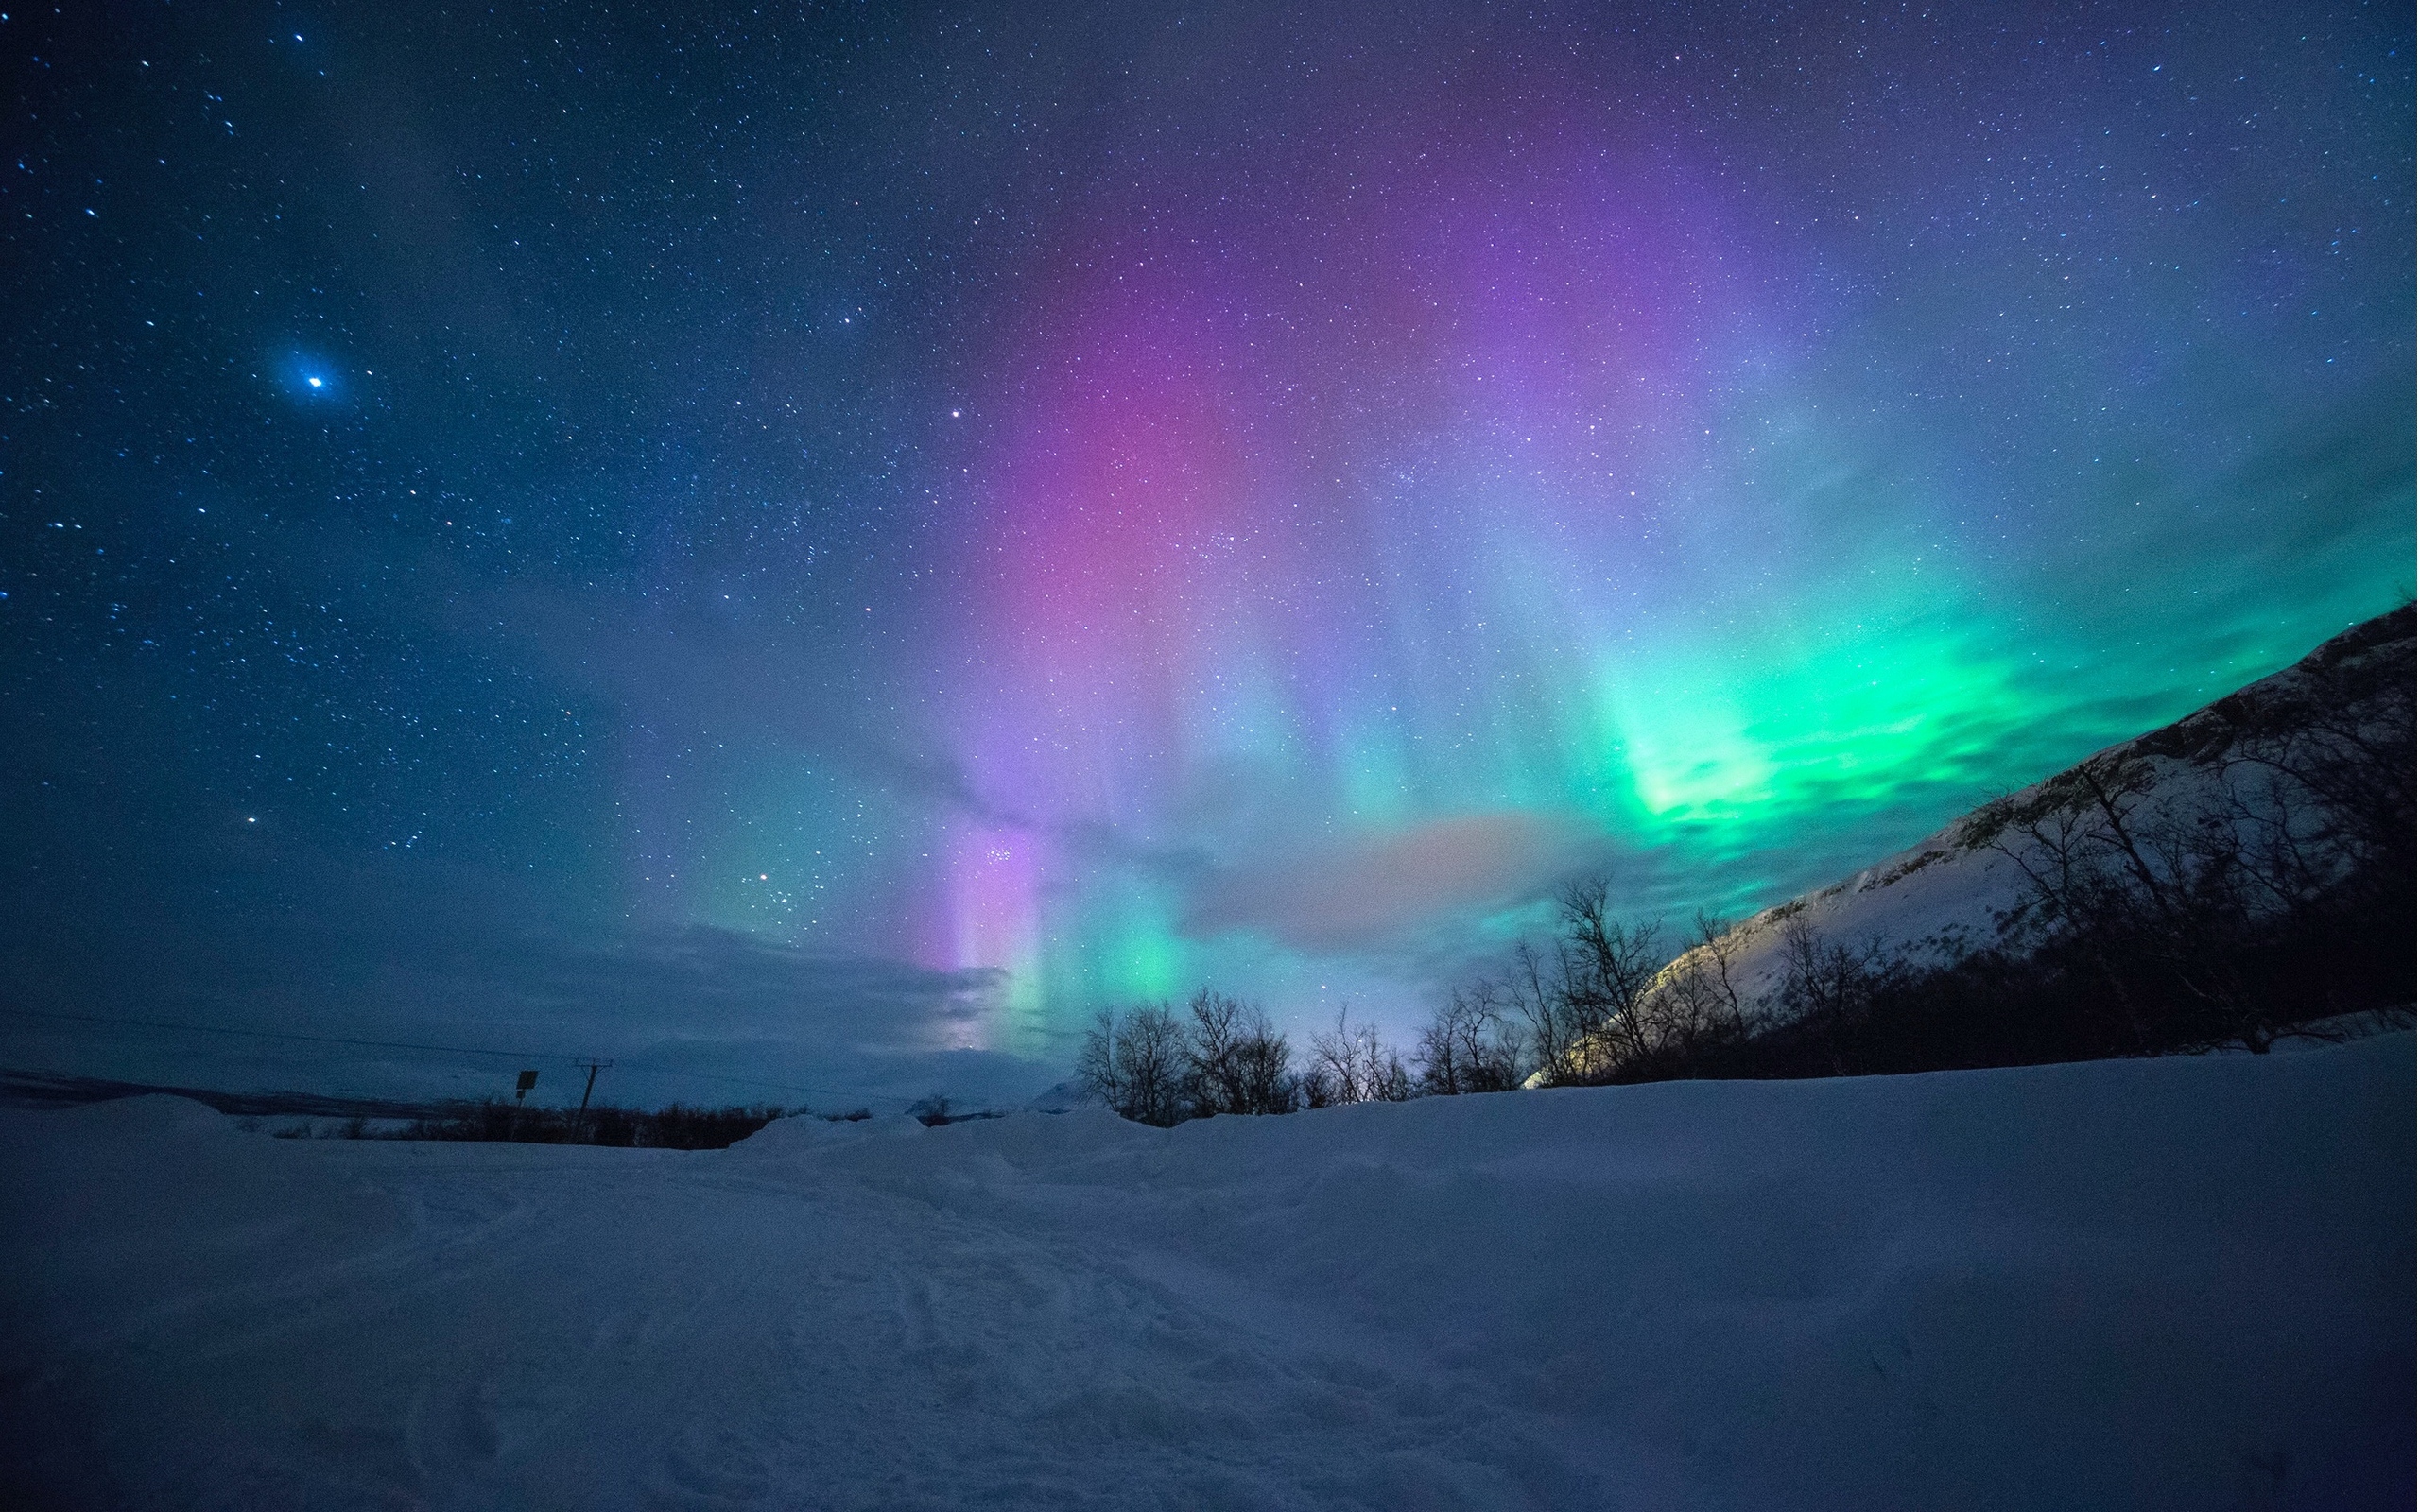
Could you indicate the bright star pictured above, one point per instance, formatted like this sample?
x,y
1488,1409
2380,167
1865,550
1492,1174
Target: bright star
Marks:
x,y
313,382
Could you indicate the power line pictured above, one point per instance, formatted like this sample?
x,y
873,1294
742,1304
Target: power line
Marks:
x,y
447,1050
273,1034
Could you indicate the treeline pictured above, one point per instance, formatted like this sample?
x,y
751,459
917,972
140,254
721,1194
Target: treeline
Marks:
x,y
675,1127
1588,1007
2271,889
1156,1065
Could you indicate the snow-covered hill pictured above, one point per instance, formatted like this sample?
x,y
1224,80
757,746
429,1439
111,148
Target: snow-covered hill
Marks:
x,y
2179,1283
1953,889
1064,1097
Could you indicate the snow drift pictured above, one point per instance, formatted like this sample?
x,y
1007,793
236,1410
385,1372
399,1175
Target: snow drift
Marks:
x,y
2165,1284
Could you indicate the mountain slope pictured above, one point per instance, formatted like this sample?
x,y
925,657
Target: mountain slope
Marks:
x,y
1964,887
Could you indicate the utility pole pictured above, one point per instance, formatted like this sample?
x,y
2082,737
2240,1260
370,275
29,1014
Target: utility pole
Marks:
x,y
591,1067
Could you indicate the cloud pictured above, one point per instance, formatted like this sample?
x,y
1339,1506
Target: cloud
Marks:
x,y
385,949
711,984
1372,889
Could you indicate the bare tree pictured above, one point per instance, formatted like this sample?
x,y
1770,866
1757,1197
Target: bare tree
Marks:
x,y
1235,1059
2135,883
1468,1045
1333,1075
1384,1076
2336,750
1267,1082
1212,1063
1694,1005
1350,1064
1821,981
1534,986
1136,1062
1097,1063
1606,968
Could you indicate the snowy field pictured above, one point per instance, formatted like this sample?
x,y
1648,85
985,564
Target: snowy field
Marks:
x,y
2173,1284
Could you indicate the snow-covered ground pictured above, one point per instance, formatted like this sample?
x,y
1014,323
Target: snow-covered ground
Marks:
x,y
2174,1283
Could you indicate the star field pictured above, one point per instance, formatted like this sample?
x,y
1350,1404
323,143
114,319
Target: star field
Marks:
x,y
920,523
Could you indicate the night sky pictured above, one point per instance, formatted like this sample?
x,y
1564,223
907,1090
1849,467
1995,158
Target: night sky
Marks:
x,y
822,546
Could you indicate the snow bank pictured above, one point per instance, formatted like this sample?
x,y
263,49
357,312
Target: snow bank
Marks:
x,y
2171,1283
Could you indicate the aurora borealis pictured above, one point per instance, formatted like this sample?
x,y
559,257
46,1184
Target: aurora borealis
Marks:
x,y
897,527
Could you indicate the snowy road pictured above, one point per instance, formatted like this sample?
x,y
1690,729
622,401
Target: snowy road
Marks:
x,y
2166,1283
